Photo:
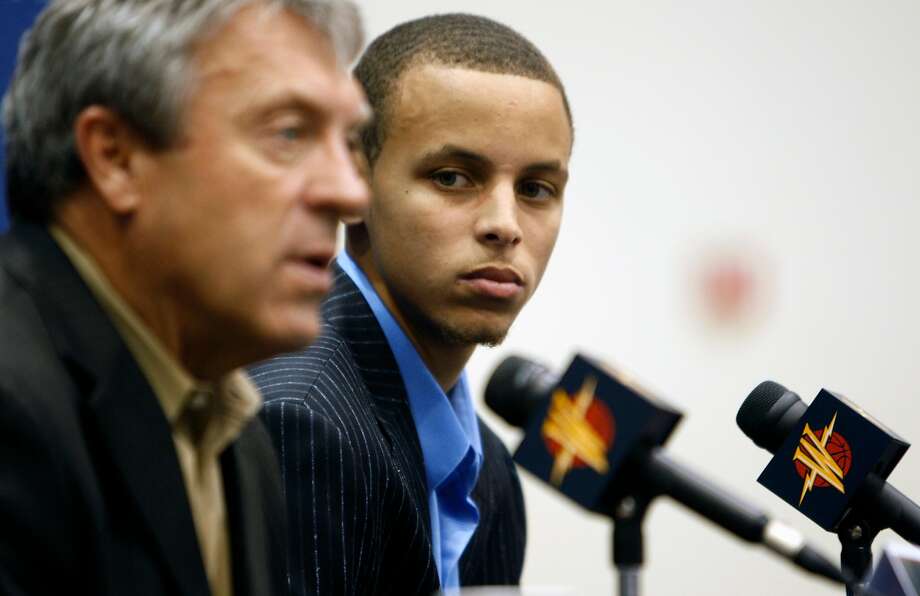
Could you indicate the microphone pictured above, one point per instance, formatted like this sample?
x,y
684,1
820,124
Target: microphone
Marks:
x,y
833,480
595,436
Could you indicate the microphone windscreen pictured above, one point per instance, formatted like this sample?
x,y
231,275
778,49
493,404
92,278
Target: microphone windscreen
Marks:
x,y
769,414
517,387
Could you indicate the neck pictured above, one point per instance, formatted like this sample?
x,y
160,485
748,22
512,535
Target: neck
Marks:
x,y
444,359
106,239
445,362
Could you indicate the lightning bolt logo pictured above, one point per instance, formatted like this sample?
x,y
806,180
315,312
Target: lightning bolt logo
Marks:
x,y
813,454
568,430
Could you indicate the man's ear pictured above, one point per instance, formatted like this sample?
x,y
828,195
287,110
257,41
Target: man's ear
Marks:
x,y
363,167
356,239
108,148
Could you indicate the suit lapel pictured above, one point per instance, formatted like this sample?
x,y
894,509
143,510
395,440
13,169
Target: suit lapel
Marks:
x,y
353,318
122,409
137,437
247,518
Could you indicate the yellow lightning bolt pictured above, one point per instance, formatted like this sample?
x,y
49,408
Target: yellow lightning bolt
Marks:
x,y
812,452
566,425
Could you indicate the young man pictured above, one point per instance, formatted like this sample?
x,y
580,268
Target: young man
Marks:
x,y
175,173
393,485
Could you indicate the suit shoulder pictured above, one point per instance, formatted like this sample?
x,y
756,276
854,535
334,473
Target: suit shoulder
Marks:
x,y
30,369
19,317
295,374
39,409
322,379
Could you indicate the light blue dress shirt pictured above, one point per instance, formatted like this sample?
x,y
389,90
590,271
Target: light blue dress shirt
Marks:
x,y
448,432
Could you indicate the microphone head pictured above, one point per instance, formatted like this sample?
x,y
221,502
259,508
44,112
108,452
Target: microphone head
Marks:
x,y
517,387
769,415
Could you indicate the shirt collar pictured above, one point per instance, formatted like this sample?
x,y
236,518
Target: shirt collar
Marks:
x,y
447,425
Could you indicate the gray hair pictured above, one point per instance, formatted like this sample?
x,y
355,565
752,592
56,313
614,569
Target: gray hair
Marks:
x,y
132,56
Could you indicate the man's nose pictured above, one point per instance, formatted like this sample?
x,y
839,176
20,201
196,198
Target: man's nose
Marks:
x,y
498,221
338,184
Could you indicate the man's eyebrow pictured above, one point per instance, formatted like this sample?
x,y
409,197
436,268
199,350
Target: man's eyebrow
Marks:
x,y
553,166
288,101
311,104
456,152
449,151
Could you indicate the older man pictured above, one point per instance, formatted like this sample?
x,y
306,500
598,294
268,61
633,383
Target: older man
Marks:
x,y
393,484
175,171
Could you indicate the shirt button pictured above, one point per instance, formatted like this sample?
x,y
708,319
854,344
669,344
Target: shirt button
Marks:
x,y
199,401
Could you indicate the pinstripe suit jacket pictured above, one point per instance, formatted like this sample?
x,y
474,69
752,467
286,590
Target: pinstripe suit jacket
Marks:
x,y
353,471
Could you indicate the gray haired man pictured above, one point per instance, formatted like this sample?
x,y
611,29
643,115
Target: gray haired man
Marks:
x,y
176,171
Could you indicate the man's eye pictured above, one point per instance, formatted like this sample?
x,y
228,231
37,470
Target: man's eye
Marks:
x,y
531,189
286,141
290,133
451,179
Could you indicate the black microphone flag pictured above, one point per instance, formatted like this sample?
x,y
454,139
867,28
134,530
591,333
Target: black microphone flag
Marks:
x,y
582,435
834,449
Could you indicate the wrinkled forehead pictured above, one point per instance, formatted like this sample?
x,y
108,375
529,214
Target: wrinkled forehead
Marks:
x,y
265,51
248,35
338,21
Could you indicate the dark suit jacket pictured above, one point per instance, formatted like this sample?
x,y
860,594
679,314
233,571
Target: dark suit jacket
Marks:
x,y
92,499
354,474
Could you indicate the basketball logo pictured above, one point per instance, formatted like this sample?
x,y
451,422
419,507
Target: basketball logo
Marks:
x,y
822,459
578,432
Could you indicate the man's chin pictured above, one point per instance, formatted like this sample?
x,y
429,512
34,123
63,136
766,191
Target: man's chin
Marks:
x,y
294,334
463,326
483,335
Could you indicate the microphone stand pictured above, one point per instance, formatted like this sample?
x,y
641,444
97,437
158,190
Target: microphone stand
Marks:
x,y
650,473
856,534
864,521
628,543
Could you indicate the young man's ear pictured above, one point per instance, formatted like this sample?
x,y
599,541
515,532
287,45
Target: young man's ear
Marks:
x,y
363,167
356,239
109,148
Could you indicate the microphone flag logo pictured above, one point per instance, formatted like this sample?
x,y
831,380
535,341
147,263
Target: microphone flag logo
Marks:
x,y
822,458
578,431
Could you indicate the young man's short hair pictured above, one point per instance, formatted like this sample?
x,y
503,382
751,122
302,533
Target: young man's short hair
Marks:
x,y
451,40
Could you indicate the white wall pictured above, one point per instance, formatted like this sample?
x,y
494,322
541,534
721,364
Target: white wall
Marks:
x,y
787,129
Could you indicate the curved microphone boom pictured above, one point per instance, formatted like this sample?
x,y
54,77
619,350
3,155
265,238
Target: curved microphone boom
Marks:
x,y
520,389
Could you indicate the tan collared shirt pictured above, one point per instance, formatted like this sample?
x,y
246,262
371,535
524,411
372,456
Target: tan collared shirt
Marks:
x,y
204,417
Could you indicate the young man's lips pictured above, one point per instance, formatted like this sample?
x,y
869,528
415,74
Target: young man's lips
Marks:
x,y
494,282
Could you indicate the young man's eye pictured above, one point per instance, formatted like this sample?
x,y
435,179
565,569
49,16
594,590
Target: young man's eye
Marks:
x,y
451,179
532,189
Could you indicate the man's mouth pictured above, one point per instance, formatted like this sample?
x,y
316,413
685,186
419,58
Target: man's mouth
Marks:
x,y
494,282
312,266
319,257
